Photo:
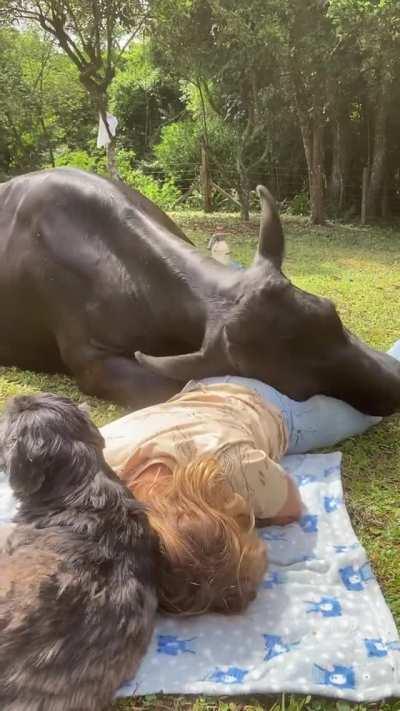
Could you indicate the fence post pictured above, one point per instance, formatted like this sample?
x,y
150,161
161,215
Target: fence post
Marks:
x,y
364,192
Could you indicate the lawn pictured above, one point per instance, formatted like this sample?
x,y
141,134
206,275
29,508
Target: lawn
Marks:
x,y
359,268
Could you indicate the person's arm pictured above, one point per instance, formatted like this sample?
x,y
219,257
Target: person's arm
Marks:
x,y
291,509
270,490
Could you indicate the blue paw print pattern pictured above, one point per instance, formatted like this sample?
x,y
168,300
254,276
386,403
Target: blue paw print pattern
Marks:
x,y
345,548
171,645
309,523
300,558
378,648
320,627
274,646
274,579
332,503
354,579
270,535
326,607
303,478
333,469
231,675
339,677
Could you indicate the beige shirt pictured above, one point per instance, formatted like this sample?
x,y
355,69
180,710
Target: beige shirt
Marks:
x,y
224,420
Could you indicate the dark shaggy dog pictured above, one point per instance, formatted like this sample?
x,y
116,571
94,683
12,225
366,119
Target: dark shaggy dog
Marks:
x,y
77,590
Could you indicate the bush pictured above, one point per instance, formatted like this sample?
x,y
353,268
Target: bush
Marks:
x,y
178,152
165,194
299,205
94,163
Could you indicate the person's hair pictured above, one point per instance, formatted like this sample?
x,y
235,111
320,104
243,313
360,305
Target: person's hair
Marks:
x,y
212,558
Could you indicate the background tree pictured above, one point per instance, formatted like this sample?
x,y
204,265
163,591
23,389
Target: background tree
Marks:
x,y
243,54
144,99
16,144
93,33
215,46
214,94
310,43
43,106
374,27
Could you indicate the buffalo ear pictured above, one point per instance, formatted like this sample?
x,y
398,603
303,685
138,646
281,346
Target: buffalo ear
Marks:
x,y
271,244
212,359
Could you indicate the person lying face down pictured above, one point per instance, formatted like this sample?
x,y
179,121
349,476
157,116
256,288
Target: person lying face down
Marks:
x,y
205,463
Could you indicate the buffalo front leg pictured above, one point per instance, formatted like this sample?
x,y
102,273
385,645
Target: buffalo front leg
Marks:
x,y
123,381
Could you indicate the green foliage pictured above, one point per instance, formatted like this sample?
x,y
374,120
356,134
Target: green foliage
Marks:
x,y
285,72
42,103
299,204
144,99
93,34
165,193
178,151
94,163
63,111
268,86
219,49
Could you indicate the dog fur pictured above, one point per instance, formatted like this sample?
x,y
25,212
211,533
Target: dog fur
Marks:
x,y
77,573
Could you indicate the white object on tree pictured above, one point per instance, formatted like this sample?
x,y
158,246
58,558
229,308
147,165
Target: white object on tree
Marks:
x,y
103,138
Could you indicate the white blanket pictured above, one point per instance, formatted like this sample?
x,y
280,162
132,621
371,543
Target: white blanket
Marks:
x,y
319,625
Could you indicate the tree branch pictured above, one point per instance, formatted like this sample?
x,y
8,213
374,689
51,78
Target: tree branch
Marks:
x,y
131,37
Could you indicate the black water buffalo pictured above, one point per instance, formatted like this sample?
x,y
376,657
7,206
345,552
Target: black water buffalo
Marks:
x,y
93,275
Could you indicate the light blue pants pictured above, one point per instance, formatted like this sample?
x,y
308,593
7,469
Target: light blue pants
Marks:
x,y
320,421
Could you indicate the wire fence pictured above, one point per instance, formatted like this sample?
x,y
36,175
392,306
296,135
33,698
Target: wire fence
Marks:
x,y
290,187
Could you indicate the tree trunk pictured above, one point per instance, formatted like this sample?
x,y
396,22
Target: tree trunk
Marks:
x,y
311,132
244,194
206,187
316,185
146,122
17,137
364,192
102,102
338,167
112,160
385,203
378,163
48,141
310,117
277,188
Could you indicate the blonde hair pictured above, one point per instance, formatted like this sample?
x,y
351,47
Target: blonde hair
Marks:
x,y
212,559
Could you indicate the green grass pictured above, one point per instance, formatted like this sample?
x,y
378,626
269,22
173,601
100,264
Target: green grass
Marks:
x,y
359,268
